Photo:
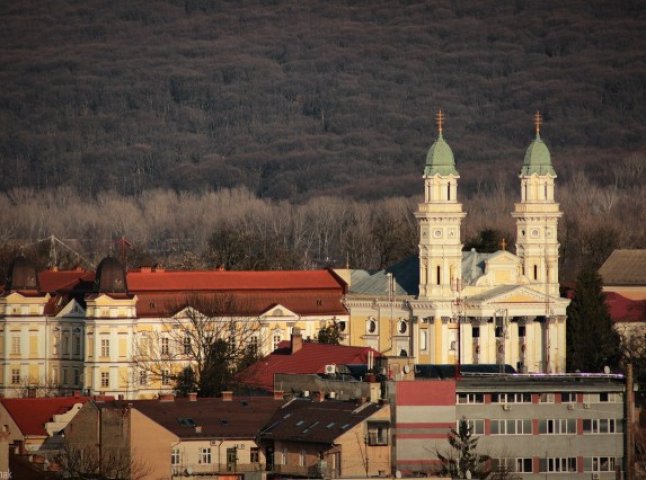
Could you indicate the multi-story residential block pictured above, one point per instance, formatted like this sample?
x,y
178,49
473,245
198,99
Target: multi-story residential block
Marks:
x,y
126,333
449,306
561,426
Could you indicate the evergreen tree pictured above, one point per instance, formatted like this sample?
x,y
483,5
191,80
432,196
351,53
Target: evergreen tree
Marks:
x,y
330,334
462,460
592,341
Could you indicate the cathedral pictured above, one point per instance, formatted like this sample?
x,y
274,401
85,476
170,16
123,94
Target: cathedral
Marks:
x,y
449,306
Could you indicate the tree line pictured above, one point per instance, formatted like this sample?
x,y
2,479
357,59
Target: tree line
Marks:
x,y
235,229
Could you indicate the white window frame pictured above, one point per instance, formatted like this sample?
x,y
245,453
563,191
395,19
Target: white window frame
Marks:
x,y
175,456
105,347
204,455
558,465
476,425
105,379
519,426
558,426
469,398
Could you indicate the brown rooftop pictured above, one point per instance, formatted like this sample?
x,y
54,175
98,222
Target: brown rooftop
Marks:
x,y
624,267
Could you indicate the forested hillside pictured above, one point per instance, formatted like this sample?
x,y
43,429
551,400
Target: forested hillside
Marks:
x,y
297,99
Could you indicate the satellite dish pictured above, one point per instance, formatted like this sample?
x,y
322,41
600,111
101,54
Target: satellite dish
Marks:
x,y
406,369
606,369
189,471
398,474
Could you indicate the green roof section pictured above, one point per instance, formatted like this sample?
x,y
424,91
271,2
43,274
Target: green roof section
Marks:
x,y
439,159
537,159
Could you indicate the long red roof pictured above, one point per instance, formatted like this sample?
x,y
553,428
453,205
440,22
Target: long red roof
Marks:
x,y
311,358
173,281
31,414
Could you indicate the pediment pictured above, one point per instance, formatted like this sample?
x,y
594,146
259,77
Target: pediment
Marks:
x,y
503,258
513,294
19,298
279,311
72,309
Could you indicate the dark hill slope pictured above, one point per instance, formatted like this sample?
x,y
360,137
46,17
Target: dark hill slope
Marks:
x,y
295,99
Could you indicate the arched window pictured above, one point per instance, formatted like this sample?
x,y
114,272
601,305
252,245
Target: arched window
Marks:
x,y
371,325
535,272
402,327
439,274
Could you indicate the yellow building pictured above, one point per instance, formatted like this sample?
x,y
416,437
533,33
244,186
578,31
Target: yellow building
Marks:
x,y
128,333
448,306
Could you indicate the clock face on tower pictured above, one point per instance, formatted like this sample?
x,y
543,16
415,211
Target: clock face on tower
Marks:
x,y
437,233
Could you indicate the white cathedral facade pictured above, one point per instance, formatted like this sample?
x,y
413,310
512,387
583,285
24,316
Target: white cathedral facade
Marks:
x,y
448,306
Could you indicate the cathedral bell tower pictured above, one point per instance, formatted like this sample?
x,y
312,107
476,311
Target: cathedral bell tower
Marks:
x,y
537,217
439,217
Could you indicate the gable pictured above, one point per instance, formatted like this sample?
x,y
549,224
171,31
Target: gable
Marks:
x,y
511,294
72,309
278,311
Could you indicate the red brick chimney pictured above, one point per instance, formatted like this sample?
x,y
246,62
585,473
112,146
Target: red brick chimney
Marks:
x,y
192,396
227,396
297,340
167,397
278,395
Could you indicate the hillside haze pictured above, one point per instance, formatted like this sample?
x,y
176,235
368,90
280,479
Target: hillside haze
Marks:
x,y
300,99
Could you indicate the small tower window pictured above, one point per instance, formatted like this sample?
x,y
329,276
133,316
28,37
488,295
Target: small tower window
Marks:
x,y
545,190
448,192
535,272
439,274
525,192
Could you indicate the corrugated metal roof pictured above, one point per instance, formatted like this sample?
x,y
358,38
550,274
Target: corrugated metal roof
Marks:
x,y
405,273
624,267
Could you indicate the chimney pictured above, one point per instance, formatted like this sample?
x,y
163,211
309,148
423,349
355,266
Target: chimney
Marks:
x,y
278,395
297,340
198,428
192,396
227,396
167,397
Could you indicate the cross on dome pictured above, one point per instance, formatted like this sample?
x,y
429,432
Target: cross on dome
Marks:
x,y
439,118
538,121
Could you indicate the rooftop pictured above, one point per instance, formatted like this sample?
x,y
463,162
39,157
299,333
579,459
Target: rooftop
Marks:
x,y
624,267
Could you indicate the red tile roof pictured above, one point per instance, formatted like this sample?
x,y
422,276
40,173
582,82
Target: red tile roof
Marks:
x,y
160,292
624,309
312,358
60,280
31,414
303,302
174,281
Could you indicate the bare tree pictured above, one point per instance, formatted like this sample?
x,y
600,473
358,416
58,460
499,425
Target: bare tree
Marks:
x,y
202,346
77,461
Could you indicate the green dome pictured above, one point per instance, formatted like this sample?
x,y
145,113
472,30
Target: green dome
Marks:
x,y
439,159
537,159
